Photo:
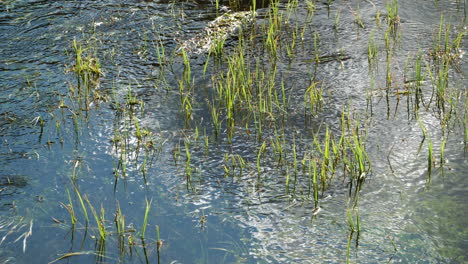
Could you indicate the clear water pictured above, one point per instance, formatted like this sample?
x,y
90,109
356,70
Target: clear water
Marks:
x,y
217,219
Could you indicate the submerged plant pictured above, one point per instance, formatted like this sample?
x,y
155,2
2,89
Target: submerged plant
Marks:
x,y
260,152
354,223
188,167
429,161
315,185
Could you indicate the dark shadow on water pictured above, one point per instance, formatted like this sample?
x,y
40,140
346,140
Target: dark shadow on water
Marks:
x,y
234,5
10,185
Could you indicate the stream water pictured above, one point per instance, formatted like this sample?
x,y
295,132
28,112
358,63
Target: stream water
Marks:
x,y
52,150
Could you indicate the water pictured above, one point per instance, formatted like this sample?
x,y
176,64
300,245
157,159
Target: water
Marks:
x,y
219,219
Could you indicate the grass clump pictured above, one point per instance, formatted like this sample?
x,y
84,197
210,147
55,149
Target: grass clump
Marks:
x,y
393,19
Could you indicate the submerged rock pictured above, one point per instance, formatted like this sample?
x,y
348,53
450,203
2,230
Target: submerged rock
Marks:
x,y
217,32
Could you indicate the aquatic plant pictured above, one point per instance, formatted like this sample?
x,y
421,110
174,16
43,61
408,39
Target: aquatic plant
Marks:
x,y
70,209
393,19
274,29
337,20
261,151
372,52
188,167
87,69
313,98
315,185
100,220
186,90
159,243
354,228
81,200
119,220
429,161
442,154
357,17
234,165
145,219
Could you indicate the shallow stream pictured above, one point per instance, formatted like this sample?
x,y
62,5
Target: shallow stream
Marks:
x,y
129,141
